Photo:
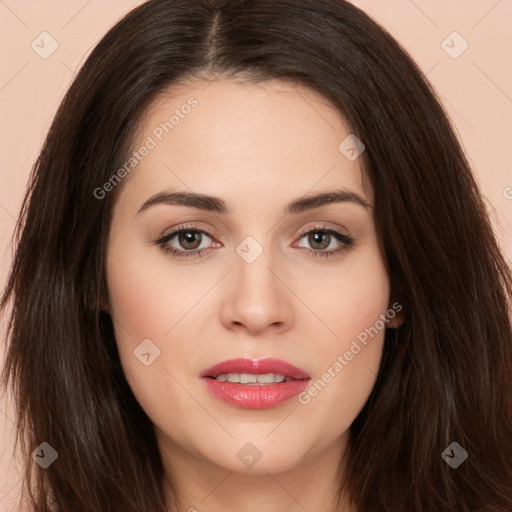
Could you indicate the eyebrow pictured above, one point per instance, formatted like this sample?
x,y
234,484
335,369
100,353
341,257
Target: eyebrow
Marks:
x,y
218,205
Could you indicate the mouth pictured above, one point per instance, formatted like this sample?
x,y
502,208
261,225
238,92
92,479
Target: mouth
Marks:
x,y
255,384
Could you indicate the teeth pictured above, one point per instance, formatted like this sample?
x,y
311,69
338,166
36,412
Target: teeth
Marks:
x,y
266,379
250,379
246,378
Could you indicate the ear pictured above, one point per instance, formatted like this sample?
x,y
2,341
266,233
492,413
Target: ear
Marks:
x,y
104,307
396,315
104,303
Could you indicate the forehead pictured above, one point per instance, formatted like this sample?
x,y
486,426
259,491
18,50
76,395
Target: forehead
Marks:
x,y
273,140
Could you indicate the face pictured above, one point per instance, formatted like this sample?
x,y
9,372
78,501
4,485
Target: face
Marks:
x,y
292,287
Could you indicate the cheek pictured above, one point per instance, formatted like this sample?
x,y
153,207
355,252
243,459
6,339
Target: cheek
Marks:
x,y
350,299
348,355
142,309
148,296
152,300
345,372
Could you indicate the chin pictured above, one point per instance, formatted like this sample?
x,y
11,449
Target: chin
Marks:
x,y
251,456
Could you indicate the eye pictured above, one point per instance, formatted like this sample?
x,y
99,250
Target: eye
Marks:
x,y
326,242
189,240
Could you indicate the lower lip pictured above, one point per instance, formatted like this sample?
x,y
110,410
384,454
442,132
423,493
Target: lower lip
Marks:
x,y
256,396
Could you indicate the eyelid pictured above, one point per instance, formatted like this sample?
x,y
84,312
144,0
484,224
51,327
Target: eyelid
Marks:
x,y
183,227
323,227
302,232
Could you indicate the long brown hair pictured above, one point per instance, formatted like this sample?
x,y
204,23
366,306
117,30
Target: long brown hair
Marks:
x,y
446,374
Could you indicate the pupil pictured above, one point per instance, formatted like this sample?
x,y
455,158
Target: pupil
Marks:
x,y
317,239
189,238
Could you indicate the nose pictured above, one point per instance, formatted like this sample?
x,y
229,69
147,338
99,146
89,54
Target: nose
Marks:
x,y
257,298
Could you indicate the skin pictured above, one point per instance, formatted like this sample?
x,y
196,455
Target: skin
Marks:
x,y
258,147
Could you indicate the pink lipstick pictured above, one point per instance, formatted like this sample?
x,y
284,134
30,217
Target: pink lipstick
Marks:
x,y
255,384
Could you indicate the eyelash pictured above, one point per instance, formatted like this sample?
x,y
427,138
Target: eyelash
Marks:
x,y
345,240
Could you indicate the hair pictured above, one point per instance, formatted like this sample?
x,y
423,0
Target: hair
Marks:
x,y
446,372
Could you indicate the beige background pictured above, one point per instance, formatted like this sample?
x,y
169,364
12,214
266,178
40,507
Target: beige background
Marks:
x,y
476,88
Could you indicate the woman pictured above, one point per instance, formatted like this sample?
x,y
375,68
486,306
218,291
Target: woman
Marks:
x,y
254,271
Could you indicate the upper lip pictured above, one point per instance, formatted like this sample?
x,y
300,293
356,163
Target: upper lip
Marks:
x,y
256,367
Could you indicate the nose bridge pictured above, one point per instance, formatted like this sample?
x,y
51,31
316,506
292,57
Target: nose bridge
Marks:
x,y
254,260
257,296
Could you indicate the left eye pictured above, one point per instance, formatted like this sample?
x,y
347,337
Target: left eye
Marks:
x,y
318,238
189,239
